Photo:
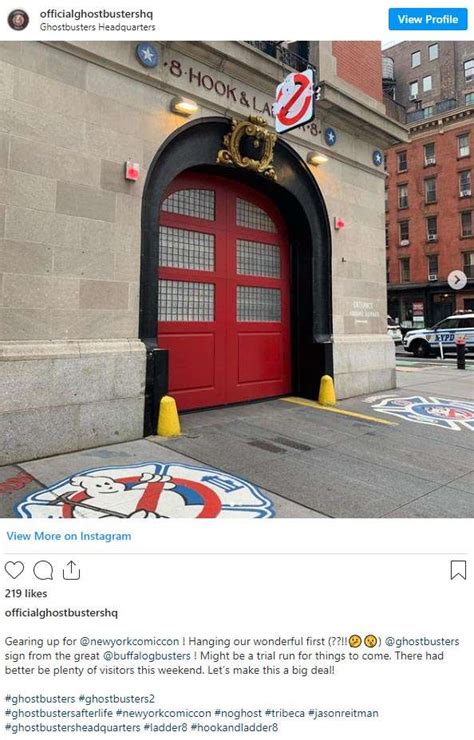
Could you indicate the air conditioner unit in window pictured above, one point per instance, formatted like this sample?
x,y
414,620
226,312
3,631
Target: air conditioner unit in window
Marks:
x,y
432,277
404,242
465,193
432,237
413,97
430,160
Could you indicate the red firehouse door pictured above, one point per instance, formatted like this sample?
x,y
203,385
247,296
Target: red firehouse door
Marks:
x,y
223,293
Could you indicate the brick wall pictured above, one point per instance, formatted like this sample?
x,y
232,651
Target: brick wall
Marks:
x,y
450,246
360,64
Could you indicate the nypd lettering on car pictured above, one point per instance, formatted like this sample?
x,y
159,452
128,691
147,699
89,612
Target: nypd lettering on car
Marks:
x,y
442,337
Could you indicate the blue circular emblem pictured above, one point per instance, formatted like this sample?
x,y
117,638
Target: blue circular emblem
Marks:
x,y
147,54
441,412
330,136
148,490
377,157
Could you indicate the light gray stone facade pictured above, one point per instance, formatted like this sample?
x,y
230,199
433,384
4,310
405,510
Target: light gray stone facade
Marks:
x,y
72,369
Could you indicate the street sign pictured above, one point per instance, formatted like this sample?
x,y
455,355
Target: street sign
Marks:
x,y
295,101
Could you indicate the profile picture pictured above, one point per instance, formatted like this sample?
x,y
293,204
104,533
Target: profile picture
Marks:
x,y
18,20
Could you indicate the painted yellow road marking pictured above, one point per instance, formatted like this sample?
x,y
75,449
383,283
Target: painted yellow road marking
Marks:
x,y
331,409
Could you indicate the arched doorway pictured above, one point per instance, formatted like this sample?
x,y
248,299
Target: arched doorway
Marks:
x,y
223,292
294,201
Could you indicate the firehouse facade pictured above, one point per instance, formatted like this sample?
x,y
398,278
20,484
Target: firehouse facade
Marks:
x,y
239,265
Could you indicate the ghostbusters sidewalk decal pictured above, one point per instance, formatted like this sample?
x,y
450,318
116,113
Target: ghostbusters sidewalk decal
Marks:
x,y
440,412
148,491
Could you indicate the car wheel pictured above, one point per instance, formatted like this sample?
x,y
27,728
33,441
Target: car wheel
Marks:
x,y
421,349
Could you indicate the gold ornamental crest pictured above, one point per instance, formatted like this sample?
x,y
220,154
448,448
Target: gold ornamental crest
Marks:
x,y
244,137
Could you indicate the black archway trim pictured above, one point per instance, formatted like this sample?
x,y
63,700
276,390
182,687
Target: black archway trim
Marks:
x,y
296,193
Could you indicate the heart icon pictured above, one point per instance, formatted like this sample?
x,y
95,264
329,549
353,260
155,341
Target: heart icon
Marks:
x,y
14,569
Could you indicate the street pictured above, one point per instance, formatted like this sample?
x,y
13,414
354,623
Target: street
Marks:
x,y
401,453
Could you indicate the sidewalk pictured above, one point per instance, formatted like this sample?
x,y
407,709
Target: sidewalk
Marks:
x,y
377,456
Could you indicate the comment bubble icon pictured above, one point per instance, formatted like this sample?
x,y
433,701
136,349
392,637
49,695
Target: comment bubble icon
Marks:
x,y
43,570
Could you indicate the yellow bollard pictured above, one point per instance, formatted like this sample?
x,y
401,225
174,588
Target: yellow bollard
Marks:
x,y
327,393
168,419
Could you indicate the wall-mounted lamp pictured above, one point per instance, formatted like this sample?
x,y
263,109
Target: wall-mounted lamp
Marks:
x,y
316,158
183,106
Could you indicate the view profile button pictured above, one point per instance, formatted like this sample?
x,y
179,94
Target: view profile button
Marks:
x,y
427,19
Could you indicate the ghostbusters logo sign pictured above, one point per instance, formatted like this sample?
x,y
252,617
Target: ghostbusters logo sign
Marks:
x,y
148,491
295,101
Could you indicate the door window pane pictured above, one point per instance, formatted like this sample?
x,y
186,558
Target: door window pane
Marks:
x,y
189,250
258,304
256,258
252,217
193,202
182,301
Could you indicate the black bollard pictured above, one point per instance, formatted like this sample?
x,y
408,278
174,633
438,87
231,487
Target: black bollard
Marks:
x,y
461,353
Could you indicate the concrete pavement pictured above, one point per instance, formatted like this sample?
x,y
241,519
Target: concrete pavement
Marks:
x,y
379,456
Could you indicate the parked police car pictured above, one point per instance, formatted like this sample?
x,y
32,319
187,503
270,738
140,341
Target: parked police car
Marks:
x,y
424,342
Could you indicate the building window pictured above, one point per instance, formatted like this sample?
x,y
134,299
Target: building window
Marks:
x,y
387,232
388,271
430,156
405,270
403,196
469,70
463,145
416,59
469,98
413,89
427,83
433,52
428,111
404,233
432,267
432,228
386,199
402,161
430,190
465,184
466,223
468,264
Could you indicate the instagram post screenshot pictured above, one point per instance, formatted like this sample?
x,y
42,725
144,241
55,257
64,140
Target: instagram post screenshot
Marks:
x,y
236,370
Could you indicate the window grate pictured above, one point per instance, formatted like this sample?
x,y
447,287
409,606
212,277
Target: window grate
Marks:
x,y
257,258
193,202
258,304
182,301
189,250
252,217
